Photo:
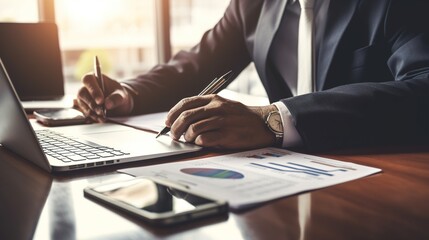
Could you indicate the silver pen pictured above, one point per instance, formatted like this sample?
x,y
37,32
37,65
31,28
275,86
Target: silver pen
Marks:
x,y
100,80
213,88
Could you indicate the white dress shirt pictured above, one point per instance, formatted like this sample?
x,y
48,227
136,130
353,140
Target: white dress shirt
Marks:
x,y
284,57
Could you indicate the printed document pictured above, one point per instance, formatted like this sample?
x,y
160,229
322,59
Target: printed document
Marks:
x,y
252,177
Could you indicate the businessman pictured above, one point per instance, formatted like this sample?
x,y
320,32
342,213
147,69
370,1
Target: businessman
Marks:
x,y
338,74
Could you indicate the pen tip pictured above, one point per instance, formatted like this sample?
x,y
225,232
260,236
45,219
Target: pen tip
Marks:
x,y
163,131
160,133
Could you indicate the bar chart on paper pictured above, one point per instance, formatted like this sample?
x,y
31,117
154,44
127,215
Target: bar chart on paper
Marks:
x,y
291,167
274,161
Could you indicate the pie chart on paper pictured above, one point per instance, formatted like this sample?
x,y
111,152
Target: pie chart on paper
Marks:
x,y
213,173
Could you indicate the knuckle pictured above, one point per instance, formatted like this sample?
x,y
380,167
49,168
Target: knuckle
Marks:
x,y
217,97
185,101
205,140
201,140
208,141
193,128
114,99
220,108
186,115
188,137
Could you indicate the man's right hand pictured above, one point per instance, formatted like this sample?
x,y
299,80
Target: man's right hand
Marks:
x,y
90,99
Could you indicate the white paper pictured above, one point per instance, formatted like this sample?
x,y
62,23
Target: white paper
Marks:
x,y
153,122
247,178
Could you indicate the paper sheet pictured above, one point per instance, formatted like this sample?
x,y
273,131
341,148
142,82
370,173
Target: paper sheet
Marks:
x,y
252,177
152,122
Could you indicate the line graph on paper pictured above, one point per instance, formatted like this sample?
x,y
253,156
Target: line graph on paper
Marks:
x,y
301,168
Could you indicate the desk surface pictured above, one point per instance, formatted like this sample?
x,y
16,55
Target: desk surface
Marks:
x,y
391,205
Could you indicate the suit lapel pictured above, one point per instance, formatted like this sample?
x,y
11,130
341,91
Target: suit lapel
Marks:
x,y
339,15
269,21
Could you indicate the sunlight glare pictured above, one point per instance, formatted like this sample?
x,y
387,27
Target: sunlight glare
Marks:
x,y
91,13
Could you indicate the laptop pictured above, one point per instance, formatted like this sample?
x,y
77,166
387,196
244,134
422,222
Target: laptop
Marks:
x,y
31,53
76,147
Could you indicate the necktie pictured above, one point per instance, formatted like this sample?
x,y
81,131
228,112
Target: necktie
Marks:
x,y
305,48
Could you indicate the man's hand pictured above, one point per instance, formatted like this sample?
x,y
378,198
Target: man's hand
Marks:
x,y
90,98
213,121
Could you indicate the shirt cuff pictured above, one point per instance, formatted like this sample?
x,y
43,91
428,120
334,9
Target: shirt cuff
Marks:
x,y
291,137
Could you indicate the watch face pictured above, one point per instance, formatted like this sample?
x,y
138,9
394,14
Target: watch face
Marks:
x,y
275,122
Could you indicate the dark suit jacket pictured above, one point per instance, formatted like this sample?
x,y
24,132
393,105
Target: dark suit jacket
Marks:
x,y
372,73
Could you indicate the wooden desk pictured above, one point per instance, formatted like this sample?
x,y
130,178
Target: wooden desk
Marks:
x,y
390,205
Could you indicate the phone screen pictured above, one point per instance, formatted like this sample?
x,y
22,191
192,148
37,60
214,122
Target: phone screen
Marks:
x,y
68,113
153,200
57,117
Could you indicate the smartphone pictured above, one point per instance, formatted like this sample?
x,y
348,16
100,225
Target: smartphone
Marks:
x,y
59,117
157,202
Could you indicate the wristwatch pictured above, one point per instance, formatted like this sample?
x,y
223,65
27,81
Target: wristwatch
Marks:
x,y
275,125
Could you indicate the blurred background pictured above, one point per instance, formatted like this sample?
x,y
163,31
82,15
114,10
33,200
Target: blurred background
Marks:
x,y
123,33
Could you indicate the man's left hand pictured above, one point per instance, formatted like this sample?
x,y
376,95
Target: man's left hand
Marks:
x,y
213,121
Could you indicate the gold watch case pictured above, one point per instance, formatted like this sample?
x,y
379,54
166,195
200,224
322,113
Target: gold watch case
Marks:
x,y
274,122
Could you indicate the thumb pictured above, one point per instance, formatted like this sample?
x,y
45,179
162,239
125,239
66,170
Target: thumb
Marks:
x,y
115,99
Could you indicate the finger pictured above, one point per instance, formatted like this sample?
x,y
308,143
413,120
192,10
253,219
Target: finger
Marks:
x,y
91,84
85,96
209,139
187,118
76,104
87,111
83,107
186,104
115,99
204,125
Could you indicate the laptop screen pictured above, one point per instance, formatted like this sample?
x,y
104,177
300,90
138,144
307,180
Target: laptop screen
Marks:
x,y
31,53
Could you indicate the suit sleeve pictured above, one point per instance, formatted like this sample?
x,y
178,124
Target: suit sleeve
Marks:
x,y
373,113
221,49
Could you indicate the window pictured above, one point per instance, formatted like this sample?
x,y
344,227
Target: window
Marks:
x,y
18,11
190,19
120,32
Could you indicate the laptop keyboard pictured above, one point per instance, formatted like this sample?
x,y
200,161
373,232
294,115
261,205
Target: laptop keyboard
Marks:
x,y
67,149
